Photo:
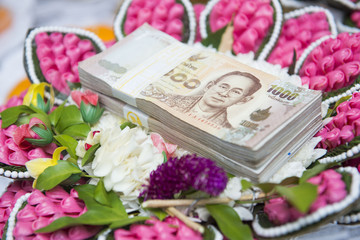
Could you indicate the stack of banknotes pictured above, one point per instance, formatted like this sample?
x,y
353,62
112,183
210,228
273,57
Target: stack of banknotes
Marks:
x,y
247,120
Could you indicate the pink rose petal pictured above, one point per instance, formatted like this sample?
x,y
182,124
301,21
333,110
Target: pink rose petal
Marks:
x,y
176,12
7,200
70,39
46,208
23,229
343,107
82,232
46,63
85,45
336,79
346,134
130,25
27,214
175,26
319,203
37,153
60,235
57,194
44,50
36,197
42,38
58,49
70,205
63,63
319,82
56,37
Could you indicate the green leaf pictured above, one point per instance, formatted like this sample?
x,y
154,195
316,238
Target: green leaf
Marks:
x,y
333,109
300,196
127,221
267,187
91,114
74,178
77,131
314,171
245,184
10,115
290,181
90,154
97,213
100,194
127,124
158,212
43,117
214,38
40,104
54,175
116,204
95,217
69,142
55,115
164,156
46,137
229,222
209,234
87,194
347,178
70,115
291,70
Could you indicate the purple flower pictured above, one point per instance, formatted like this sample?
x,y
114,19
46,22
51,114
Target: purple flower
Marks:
x,y
177,175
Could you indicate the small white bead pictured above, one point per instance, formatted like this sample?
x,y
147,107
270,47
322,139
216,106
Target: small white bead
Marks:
x,y
1,171
21,175
7,173
349,153
26,174
355,150
14,174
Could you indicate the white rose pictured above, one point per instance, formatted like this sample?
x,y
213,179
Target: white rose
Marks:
x,y
125,159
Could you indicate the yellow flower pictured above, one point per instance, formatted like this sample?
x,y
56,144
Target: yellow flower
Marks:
x,y
37,166
34,90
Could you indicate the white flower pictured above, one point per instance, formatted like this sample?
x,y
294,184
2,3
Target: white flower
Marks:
x,y
125,159
308,153
324,109
290,169
244,213
108,120
300,161
233,189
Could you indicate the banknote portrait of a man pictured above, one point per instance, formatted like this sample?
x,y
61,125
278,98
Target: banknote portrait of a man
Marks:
x,y
231,88
217,96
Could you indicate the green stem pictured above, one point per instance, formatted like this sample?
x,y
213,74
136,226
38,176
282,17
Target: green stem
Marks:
x,y
89,176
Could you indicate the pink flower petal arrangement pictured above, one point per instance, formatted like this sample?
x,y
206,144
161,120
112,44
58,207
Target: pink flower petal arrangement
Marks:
x,y
175,18
252,20
298,32
170,228
52,55
330,187
344,126
42,209
14,149
7,201
59,55
334,64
